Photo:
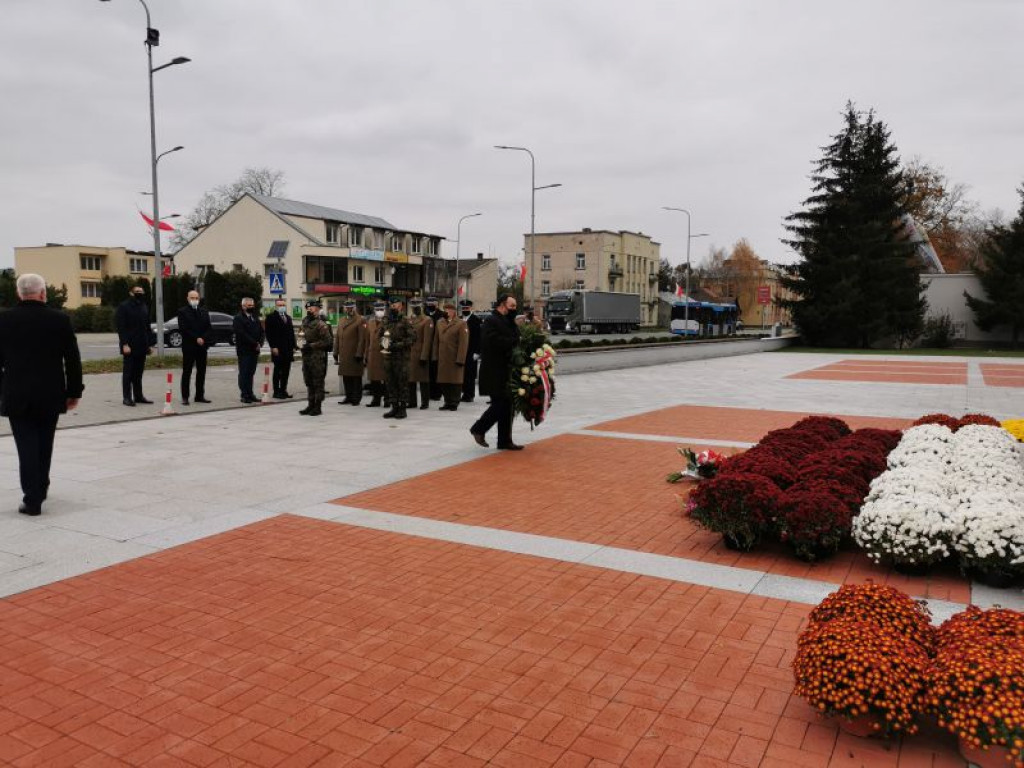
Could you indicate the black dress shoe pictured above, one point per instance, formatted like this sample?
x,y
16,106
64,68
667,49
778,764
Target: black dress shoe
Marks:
x,y
287,396
143,400
126,401
344,402
202,400
184,401
31,511
510,447
479,439
467,399
425,406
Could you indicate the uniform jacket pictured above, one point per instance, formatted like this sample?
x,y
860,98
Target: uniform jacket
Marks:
x,y
248,334
280,331
451,343
374,359
350,345
194,324
498,337
402,336
40,366
421,349
317,334
132,321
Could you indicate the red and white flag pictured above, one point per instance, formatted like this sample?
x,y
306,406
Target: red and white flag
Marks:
x,y
164,226
679,291
462,290
522,272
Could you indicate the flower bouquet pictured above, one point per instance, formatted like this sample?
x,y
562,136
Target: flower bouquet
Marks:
x,y
533,376
702,466
738,506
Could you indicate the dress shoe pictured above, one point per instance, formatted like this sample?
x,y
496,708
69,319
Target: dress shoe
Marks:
x,y
287,396
143,400
510,447
391,414
279,396
467,399
31,511
126,401
425,406
446,407
184,401
479,439
202,400
248,400
354,402
305,411
344,402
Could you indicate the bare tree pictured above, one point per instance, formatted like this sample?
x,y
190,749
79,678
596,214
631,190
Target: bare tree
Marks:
x,y
257,181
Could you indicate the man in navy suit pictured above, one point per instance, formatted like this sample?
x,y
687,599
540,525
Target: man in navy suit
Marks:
x,y
40,378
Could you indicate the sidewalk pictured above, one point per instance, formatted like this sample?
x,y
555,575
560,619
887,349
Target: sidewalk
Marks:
x,y
416,605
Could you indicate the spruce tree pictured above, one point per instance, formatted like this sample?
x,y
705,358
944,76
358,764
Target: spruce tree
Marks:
x,y
1001,272
857,282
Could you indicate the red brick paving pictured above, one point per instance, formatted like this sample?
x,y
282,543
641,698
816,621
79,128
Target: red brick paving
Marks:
x,y
901,371
1002,375
296,642
613,492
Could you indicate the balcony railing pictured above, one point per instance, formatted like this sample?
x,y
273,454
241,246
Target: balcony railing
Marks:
x,y
615,271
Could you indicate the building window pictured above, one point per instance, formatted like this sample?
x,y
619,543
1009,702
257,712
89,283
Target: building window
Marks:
x,y
326,269
545,287
378,275
89,264
138,266
355,236
581,261
545,262
357,274
90,290
333,232
398,243
579,285
417,244
431,247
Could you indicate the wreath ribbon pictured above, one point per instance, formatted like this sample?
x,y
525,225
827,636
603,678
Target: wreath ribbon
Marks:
x,y
543,360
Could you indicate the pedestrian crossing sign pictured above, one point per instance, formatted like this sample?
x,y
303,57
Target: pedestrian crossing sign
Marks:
x,y
276,280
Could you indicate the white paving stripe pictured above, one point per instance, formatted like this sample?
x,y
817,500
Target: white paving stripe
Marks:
x,y
662,438
742,580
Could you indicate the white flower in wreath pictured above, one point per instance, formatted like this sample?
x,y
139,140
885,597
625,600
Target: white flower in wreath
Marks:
x,y
524,377
533,379
525,369
536,369
521,392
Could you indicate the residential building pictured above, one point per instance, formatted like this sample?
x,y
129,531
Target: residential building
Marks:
x,y
743,281
596,260
478,281
318,252
81,268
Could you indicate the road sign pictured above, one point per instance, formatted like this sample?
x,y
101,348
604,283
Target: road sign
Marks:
x,y
276,280
764,294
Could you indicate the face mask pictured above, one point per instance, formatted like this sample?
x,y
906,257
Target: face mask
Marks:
x,y
247,310
417,311
379,313
137,296
466,313
513,312
282,310
193,303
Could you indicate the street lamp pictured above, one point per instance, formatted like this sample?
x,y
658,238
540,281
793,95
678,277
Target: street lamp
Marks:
x,y
458,248
153,39
533,210
689,237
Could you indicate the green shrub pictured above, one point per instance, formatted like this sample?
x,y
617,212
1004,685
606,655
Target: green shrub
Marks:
x,y
103,320
938,331
82,318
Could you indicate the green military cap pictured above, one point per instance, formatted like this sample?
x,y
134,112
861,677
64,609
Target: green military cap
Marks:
x,y
313,303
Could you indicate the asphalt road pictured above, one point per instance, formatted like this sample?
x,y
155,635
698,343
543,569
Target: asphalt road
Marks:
x,y
102,346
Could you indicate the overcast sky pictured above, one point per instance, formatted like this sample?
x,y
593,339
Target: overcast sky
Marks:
x,y
391,108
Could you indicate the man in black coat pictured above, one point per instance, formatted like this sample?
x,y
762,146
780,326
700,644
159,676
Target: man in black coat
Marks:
x,y
196,335
40,378
498,338
248,342
281,338
136,339
473,353
434,312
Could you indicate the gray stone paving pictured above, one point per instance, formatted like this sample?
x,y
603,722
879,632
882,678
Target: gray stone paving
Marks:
x,y
127,489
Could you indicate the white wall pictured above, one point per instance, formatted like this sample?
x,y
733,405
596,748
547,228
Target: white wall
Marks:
x,y
945,293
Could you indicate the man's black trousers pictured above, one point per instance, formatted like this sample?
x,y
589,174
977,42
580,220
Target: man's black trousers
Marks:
x,y
34,440
193,356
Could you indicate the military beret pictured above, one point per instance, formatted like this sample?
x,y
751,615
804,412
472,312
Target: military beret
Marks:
x,y
313,303
396,299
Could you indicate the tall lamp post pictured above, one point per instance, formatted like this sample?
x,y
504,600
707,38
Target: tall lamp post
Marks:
x,y
458,248
152,40
689,237
533,211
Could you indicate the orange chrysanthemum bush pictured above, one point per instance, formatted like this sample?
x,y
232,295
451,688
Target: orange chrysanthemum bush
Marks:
x,y
976,682
851,668
885,607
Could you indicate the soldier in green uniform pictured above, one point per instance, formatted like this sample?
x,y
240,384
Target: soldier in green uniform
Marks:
x,y
396,336
317,337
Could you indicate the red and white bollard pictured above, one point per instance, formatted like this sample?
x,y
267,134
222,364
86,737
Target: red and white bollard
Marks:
x,y
168,410
266,384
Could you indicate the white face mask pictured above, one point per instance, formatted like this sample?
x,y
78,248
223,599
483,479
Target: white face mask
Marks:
x,y
194,303
282,310
379,312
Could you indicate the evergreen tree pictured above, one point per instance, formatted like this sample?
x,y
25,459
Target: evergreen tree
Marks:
x,y
858,281
1001,273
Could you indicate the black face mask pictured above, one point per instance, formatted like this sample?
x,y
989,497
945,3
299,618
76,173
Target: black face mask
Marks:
x,y
417,311
466,313
512,313
137,297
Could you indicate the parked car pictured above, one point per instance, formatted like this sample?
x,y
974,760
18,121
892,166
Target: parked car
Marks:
x,y
222,330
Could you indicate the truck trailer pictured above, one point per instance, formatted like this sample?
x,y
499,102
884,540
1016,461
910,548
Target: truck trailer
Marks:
x,y
593,312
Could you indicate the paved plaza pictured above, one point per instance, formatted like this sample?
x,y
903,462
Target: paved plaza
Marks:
x,y
252,587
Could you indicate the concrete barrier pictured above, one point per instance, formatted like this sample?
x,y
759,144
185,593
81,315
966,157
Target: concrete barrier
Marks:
x,y
586,360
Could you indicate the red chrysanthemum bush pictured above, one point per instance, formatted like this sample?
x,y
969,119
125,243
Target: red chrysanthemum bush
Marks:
x,y
866,464
939,418
739,506
883,606
978,418
791,445
886,438
760,461
815,517
823,425
854,485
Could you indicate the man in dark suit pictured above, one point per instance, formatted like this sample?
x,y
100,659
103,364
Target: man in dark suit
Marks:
x,y
40,378
498,338
248,342
196,335
136,339
473,354
281,338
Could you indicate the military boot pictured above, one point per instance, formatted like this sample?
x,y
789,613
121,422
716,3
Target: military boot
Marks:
x,y
392,413
400,412
314,409
308,409
375,403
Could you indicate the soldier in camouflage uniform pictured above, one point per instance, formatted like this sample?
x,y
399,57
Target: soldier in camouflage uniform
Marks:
x,y
397,333
318,341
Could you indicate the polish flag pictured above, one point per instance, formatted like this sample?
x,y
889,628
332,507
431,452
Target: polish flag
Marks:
x,y
679,291
522,272
462,290
164,226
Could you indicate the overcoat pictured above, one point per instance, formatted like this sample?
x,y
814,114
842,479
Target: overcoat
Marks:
x,y
371,351
420,350
350,345
451,343
498,337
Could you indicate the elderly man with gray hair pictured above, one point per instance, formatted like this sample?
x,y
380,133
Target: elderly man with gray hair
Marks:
x,y
40,378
